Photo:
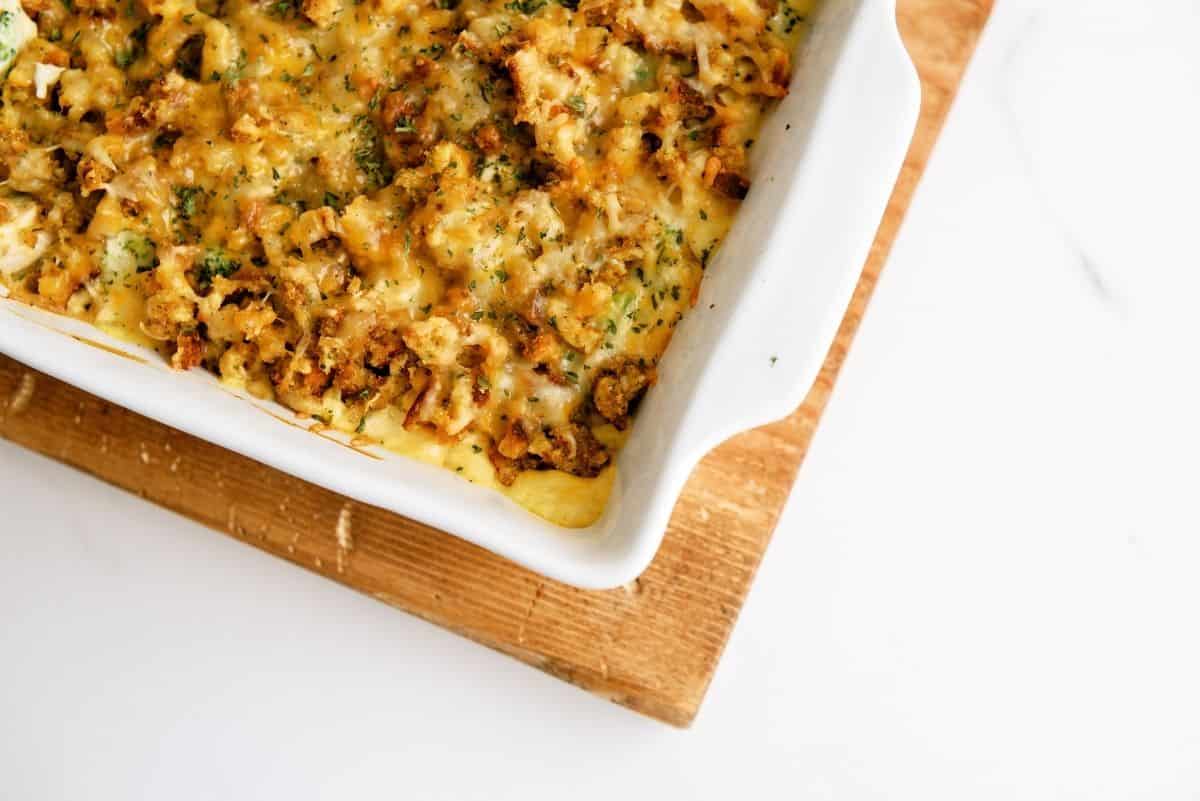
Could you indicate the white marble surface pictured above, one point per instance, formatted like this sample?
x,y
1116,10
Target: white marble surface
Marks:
x,y
985,585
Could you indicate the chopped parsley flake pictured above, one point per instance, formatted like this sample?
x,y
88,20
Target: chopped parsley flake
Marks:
x,y
368,154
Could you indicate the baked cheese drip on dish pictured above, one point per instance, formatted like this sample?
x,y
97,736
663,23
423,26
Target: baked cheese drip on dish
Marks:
x,y
460,227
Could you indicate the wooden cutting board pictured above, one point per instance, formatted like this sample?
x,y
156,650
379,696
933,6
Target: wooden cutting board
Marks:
x,y
652,646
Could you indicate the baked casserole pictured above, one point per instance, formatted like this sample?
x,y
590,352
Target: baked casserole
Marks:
x,y
466,230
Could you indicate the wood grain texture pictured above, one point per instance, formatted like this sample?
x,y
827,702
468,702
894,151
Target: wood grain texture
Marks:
x,y
652,646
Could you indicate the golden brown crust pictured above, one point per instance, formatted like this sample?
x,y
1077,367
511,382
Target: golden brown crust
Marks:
x,y
618,388
189,351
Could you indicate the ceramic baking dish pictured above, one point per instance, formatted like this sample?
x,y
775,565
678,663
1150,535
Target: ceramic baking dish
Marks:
x,y
768,310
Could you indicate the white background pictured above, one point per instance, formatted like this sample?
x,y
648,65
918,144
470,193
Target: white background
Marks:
x,y
986,584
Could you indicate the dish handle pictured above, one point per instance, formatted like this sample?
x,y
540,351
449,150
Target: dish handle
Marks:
x,y
769,350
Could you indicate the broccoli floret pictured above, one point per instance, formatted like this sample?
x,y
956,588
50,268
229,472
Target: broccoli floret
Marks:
x,y
216,262
188,200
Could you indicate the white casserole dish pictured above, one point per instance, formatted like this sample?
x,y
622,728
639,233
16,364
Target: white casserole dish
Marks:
x,y
769,307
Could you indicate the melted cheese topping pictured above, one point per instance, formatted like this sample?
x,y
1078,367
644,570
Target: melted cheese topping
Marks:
x,y
464,229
